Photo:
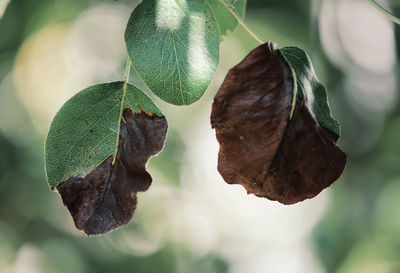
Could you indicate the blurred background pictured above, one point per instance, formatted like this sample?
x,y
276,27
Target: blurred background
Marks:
x,y
190,221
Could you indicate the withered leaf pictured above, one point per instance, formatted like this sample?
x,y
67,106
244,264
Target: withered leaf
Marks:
x,y
84,137
273,152
106,198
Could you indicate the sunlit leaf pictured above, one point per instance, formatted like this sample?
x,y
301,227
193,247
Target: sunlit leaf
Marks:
x,y
174,46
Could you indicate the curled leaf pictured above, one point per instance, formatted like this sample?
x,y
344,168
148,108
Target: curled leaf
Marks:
x,y
261,147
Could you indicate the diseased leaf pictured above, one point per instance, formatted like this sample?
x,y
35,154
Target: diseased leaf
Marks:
x,y
226,22
250,114
80,147
174,46
106,198
85,130
307,160
261,148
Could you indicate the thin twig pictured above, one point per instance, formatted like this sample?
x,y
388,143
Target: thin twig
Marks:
x,y
241,22
393,18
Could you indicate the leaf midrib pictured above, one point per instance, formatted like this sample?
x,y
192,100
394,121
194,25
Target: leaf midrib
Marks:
x,y
79,139
175,52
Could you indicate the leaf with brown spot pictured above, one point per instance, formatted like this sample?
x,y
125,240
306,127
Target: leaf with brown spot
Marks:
x,y
86,133
106,197
276,137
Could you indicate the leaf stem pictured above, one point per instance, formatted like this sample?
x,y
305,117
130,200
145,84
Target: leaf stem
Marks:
x,y
121,111
393,18
241,22
127,72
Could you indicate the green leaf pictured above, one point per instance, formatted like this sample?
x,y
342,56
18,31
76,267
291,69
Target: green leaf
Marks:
x,y
308,88
226,22
174,47
85,130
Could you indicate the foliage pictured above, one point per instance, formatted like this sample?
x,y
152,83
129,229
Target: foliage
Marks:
x,y
174,47
358,210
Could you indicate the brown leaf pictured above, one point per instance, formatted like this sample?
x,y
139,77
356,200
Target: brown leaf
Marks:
x,y
260,148
106,198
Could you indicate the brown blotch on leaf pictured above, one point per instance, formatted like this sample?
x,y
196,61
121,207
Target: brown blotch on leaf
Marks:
x,y
106,198
260,148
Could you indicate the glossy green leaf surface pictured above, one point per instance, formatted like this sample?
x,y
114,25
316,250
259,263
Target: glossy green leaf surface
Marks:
x,y
174,47
308,88
85,130
226,21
